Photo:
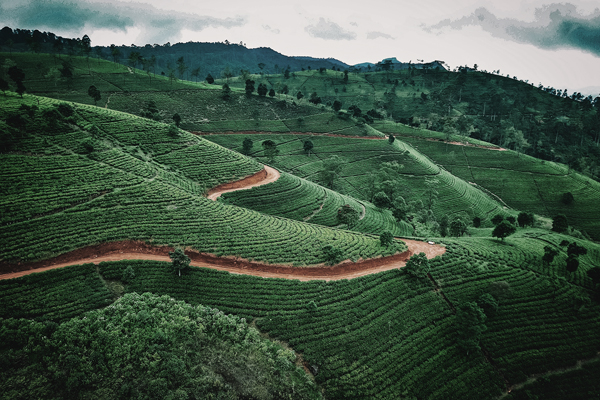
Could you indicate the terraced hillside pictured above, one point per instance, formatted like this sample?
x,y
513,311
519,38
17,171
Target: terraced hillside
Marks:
x,y
387,335
522,182
362,159
108,176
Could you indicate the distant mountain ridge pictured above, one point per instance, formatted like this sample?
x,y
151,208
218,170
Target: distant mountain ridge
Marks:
x,y
210,57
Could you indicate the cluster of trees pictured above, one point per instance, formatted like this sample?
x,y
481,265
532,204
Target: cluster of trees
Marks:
x,y
15,74
148,347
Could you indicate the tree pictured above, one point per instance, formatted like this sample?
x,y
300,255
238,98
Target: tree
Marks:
x,y
247,146
177,119
314,98
94,93
261,66
226,92
594,274
181,67
308,146
331,169
272,93
386,239
382,200
488,303
209,79
333,255
115,52
337,105
525,219
391,139
179,260
3,86
347,215
567,198
476,222
444,225
262,90
549,254
504,229
572,264
173,131
417,265
128,275
458,227
196,73
299,96
226,73
560,223
470,324
574,250
249,87
496,219
271,150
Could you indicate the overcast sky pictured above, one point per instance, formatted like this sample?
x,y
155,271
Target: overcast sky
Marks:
x,y
556,44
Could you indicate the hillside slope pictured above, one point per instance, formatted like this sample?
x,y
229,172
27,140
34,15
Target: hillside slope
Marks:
x,y
80,175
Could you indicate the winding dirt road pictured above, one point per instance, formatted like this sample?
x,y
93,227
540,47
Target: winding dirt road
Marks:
x,y
132,250
263,177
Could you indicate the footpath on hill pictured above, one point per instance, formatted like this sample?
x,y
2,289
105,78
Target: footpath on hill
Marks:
x,y
135,250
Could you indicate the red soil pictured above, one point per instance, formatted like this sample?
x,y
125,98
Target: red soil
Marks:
x,y
132,250
267,175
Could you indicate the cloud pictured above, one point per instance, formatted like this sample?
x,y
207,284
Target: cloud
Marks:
x,y
376,35
329,30
555,26
159,24
268,28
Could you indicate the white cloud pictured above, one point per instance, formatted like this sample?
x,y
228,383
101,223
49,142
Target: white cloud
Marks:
x,y
329,30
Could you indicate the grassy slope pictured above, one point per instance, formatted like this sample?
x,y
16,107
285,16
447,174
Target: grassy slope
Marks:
x,y
522,182
138,182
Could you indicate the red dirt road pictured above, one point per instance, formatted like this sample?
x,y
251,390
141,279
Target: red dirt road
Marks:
x,y
130,250
267,175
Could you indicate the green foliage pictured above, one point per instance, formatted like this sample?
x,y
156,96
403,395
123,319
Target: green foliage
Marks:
x,y
128,275
525,219
417,265
347,215
308,146
382,200
476,222
503,230
247,146
94,93
567,198
549,254
560,223
457,227
496,219
386,239
146,346
488,303
176,119
270,149
391,139
333,255
179,260
470,324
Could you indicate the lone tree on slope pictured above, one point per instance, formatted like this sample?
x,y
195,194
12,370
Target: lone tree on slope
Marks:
x,y
179,260
94,93
504,229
